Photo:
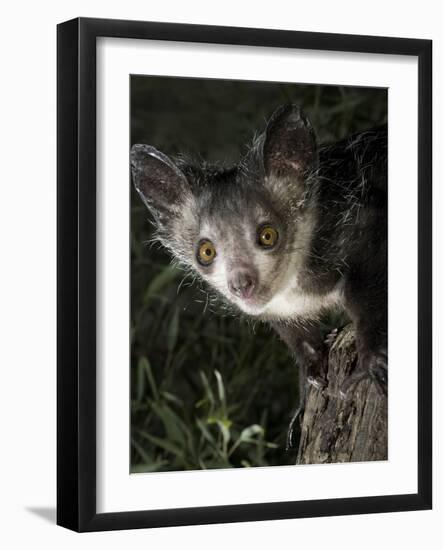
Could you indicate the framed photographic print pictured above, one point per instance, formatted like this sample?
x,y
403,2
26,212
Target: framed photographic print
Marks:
x,y
244,254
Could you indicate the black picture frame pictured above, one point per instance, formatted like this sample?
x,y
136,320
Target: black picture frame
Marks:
x,y
76,279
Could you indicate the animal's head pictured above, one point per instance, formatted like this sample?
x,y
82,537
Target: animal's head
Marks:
x,y
245,230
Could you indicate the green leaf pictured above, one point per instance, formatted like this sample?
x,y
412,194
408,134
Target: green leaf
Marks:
x,y
224,426
141,451
163,279
226,434
140,381
206,433
249,433
173,330
150,467
221,392
220,387
175,428
209,395
163,444
171,397
145,366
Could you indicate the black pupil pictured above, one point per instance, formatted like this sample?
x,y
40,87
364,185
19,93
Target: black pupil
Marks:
x,y
208,251
267,236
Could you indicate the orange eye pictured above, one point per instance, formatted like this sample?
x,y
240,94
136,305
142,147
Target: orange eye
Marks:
x,y
267,236
206,252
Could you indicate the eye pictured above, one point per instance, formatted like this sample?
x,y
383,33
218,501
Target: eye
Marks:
x,y
206,252
267,236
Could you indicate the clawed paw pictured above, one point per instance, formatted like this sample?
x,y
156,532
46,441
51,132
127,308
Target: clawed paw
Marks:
x,y
331,337
317,382
375,368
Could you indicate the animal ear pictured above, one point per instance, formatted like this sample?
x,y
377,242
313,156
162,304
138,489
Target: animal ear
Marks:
x,y
289,149
160,183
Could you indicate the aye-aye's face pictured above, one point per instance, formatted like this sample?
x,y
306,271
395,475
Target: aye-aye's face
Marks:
x,y
244,230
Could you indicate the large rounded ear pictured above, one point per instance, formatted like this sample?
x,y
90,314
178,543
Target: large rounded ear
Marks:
x,y
289,148
159,182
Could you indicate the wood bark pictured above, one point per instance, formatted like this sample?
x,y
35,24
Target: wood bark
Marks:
x,y
337,429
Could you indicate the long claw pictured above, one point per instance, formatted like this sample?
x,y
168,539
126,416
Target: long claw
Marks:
x,y
290,434
376,370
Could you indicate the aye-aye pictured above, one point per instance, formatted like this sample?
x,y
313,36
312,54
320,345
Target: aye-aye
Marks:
x,y
290,232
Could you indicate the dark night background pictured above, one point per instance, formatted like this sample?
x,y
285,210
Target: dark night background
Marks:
x,y
209,390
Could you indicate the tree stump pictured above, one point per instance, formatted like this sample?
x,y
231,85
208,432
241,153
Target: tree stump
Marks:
x,y
338,429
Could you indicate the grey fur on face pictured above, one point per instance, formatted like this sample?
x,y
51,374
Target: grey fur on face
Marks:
x,y
229,207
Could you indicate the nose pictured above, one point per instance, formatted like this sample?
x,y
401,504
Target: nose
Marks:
x,y
242,283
